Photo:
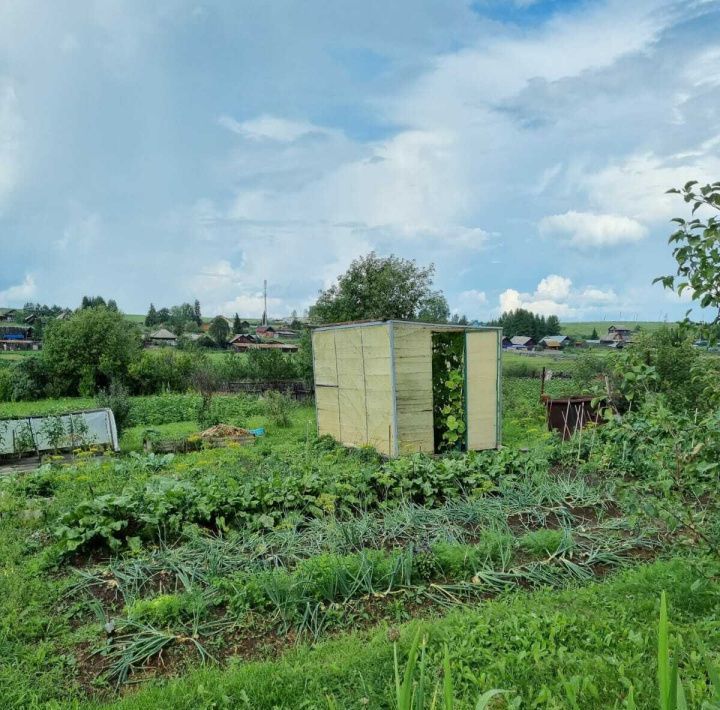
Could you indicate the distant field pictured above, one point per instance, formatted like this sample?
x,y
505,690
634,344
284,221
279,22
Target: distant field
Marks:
x,y
582,329
140,318
16,355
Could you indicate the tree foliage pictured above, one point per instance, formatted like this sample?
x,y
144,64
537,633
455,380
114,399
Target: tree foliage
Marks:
x,y
86,352
219,330
237,325
523,322
435,309
377,287
151,318
697,248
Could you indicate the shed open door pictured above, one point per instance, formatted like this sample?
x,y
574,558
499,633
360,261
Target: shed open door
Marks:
x,y
482,397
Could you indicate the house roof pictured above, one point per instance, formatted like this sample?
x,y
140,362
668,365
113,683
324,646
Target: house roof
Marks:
x,y
520,340
163,334
264,329
244,338
554,338
7,311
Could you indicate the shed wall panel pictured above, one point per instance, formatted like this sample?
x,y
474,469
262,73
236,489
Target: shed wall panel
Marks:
x,y
325,358
481,366
353,385
413,387
328,411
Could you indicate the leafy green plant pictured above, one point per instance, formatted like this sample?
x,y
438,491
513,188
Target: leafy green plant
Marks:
x,y
411,686
116,398
279,408
453,411
543,542
53,429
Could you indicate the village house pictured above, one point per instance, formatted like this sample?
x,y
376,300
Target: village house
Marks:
x,y
287,334
243,343
16,336
8,315
266,331
162,337
555,342
616,337
522,342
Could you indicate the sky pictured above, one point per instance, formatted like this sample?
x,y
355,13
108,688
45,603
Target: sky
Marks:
x,y
169,150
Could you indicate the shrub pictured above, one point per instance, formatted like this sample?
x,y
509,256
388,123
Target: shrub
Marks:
x,y
116,399
6,384
29,379
588,369
278,407
164,369
269,365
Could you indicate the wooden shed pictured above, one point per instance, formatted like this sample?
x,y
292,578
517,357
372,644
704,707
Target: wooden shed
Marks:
x,y
379,384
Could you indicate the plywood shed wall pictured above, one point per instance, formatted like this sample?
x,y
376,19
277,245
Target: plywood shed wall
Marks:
x,y
413,388
353,386
373,385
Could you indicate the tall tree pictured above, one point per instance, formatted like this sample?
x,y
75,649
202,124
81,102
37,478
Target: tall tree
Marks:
x,y
93,302
376,287
151,318
237,325
196,311
219,330
552,326
89,350
523,322
435,309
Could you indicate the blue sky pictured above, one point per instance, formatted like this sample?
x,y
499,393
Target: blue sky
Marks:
x,y
168,151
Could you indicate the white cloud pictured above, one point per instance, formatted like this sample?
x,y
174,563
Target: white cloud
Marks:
x,y
272,128
554,295
586,229
638,184
471,303
20,293
554,286
11,125
597,296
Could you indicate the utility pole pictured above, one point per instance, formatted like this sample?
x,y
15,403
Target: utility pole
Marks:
x,y
264,317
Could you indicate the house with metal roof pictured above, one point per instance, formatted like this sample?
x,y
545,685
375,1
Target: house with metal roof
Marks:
x,y
555,342
522,342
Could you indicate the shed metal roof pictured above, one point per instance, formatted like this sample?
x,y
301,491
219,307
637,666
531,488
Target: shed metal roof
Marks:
x,y
450,327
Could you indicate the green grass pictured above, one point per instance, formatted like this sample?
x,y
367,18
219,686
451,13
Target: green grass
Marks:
x,y
45,406
583,329
15,355
246,595
132,438
594,642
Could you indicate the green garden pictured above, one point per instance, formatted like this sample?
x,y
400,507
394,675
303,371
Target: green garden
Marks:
x,y
294,572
